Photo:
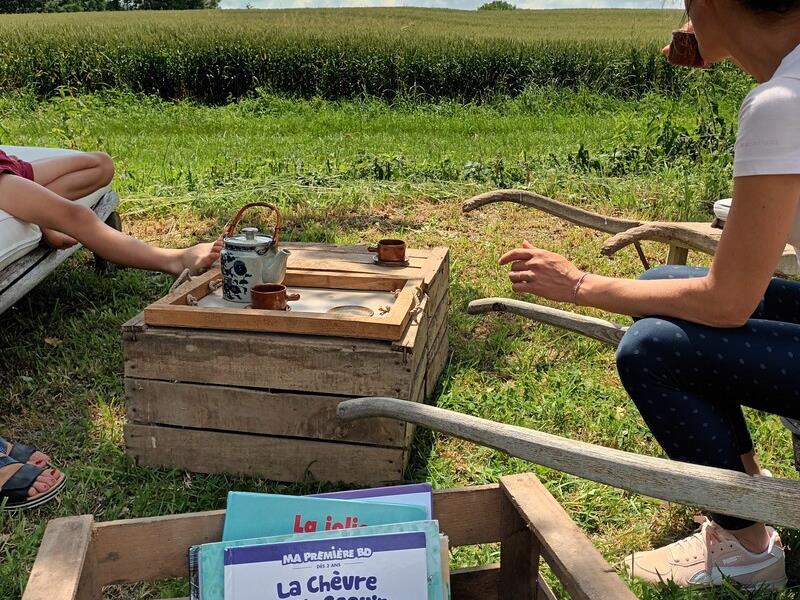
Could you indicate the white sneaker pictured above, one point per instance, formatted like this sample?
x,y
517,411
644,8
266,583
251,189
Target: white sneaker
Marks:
x,y
708,556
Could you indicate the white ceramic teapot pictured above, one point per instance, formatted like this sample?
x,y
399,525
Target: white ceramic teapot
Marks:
x,y
251,258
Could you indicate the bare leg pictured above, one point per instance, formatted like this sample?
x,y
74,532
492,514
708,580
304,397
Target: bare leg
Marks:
x,y
38,459
31,202
751,466
72,177
755,538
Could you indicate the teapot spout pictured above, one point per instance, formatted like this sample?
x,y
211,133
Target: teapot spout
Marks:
x,y
275,267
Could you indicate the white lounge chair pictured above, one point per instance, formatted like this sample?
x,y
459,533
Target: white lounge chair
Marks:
x,y
24,262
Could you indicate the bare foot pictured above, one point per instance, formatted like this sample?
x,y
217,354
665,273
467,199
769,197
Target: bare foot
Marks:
x,y
197,258
57,240
46,480
37,459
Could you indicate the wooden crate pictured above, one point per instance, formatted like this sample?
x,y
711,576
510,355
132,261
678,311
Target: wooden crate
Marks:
x,y
264,404
78,557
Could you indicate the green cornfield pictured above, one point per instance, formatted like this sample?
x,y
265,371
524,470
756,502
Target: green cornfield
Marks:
x,y
215,57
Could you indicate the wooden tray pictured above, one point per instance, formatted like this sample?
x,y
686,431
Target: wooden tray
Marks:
x,y
174,310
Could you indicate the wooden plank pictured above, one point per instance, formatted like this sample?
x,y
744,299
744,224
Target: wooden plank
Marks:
x,y
349,249
23,275
476,583
302,256
276,458
273,361
480,583
343,266
701,237
151,548
132,327
245,410
416,331
598,329
577,564
469,515
677,255
716,490
436,274
437,361
569,213
59,566
350,281
437,318
519,554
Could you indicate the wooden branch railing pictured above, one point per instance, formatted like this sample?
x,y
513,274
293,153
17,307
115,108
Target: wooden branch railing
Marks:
x,y
599,329
569,213
727,492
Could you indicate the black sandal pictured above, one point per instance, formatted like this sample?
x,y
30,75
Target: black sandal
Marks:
x,y
19,452
15,490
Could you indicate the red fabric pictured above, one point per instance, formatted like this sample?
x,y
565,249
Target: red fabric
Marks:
x,y
15,166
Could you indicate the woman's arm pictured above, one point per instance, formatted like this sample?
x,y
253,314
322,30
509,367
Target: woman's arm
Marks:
x,y
753,240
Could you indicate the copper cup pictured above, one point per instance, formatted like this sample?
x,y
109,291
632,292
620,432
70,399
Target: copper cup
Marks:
x,y
684,50
390,251
271,296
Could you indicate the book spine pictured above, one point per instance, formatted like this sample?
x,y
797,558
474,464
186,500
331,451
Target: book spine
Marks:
x,y
194,573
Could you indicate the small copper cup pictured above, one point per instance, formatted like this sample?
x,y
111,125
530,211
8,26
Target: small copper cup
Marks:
x,y
271,296
390,251
684,50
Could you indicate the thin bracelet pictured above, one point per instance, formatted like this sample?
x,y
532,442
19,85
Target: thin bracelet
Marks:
x,y
577,288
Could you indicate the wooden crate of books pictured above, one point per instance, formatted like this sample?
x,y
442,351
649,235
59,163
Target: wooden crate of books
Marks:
x,y
263,403
78,557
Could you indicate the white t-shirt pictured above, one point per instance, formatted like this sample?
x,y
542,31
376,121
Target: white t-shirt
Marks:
x,y
768,142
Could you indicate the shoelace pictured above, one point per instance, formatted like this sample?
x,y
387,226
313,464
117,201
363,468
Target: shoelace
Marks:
x,y
700,541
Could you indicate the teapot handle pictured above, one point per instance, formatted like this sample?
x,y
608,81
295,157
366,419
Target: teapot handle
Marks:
x,y
276,233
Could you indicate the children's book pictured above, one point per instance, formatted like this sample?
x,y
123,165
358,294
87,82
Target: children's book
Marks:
x,y
207,561
252,515
416,494
390,566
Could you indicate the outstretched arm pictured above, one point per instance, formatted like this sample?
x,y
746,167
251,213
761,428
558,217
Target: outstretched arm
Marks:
x,y
752,242
33,203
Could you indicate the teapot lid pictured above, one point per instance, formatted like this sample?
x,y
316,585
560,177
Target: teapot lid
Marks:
x,y
248,239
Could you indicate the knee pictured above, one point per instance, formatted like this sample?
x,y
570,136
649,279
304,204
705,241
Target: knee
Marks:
x,y
649,345
78,216
105,167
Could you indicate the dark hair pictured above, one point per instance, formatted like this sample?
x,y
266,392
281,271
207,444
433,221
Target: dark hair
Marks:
x,y
780,7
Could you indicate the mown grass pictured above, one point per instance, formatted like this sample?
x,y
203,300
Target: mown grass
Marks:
x,y
217,56
183,168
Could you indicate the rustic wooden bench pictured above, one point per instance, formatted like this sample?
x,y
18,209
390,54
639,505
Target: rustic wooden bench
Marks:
x,y
21,276
681,237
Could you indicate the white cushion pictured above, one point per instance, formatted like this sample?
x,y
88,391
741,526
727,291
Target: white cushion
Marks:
x,y
18,238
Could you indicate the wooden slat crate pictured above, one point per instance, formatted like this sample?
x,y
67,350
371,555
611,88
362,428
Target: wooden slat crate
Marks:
x,y
79,557
264,404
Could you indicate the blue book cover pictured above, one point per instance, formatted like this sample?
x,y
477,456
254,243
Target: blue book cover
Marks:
x,y
251,515
211,557
415,494
391,566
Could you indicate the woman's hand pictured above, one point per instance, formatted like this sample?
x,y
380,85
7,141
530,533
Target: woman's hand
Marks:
x,y
546,274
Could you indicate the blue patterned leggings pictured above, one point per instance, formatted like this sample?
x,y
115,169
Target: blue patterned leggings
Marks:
x,y
690,381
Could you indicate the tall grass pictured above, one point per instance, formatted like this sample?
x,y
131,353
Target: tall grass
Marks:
x,y
215,59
